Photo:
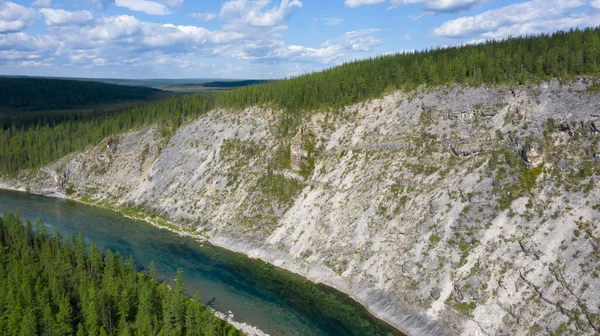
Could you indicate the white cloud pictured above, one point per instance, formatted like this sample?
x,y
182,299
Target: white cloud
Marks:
x,y
145,6
17,55
357,3
531,17
328,53
432,6
251,39
203,16
150,7
18,42
99,61
358,40
333,21
596,4
14,17
439,5
42,3
253,13
139,35
33,64
114,28
57,17
407,36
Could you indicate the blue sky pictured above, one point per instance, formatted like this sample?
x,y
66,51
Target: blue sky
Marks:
x,y
253,38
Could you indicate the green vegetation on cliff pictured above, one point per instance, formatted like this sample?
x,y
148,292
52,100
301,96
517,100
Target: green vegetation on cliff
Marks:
x,y
510,61
50,287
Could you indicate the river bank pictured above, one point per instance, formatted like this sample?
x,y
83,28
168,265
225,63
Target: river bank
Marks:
x,y
274,273
248,329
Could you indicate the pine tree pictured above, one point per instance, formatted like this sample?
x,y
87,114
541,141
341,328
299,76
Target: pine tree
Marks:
x,y
59,292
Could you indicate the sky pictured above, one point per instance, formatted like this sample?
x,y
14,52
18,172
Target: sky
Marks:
x,y
264,39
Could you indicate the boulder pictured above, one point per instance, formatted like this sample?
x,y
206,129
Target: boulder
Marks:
x,y
475,199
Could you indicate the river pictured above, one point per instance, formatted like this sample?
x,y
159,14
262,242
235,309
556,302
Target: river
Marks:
x,y
276,301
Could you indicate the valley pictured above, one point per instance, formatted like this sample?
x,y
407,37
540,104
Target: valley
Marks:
x,y
451,191
447,210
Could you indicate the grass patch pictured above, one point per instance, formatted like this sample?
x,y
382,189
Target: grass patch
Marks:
x,y
278,187
464,307
525,185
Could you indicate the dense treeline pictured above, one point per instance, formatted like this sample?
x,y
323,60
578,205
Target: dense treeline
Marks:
x,y
27,102
50,93
234,84
221,84
514,60
50,287
24,119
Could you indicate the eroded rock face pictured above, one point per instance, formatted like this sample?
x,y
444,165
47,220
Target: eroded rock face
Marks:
x,y
470,148
416,208
297,150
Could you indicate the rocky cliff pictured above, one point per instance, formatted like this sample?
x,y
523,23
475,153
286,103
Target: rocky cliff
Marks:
x,y
454,210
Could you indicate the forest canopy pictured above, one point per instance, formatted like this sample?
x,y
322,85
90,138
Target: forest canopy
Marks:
x,y
520,60
33,93
221,84
55,286
29,101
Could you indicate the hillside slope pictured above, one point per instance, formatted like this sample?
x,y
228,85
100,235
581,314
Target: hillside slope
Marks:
x,y
451,210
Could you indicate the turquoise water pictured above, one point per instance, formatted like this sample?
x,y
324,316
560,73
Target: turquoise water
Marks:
x,y
275,301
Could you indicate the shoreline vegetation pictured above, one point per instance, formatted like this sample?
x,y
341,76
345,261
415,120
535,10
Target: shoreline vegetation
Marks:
x,y
56,285
262,269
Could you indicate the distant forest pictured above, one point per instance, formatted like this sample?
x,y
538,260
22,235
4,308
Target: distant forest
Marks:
x,y
53,286
32,93
519,60
233,84
222,84
30,101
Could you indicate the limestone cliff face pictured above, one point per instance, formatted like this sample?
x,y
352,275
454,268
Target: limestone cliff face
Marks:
x,y
297,150
454,210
